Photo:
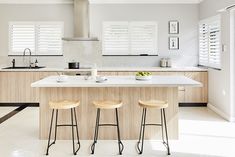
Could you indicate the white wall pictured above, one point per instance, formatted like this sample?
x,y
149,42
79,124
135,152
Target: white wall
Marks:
x,y
33,13
187,15
220,82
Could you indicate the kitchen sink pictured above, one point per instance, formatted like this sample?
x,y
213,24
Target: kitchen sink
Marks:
x,y
40,67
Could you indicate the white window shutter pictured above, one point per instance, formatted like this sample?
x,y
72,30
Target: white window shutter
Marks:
x,y
143,38
49,39
203,45
210,42
115,38
21,36
214,44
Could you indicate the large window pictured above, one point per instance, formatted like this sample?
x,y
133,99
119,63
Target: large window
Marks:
x,y
43,38
210,42
129,38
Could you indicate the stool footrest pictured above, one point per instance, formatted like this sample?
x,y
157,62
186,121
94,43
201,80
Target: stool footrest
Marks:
x,y
107,124
65,125
152,124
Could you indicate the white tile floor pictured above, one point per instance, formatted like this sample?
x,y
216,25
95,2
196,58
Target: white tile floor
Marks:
x,y
202,134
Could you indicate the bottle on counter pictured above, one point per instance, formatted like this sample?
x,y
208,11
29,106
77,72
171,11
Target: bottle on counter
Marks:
x,y
94,72
36,63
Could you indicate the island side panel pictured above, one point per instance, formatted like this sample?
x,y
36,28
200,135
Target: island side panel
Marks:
x,y
129,114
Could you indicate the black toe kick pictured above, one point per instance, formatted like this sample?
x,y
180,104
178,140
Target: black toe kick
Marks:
x,y
192,104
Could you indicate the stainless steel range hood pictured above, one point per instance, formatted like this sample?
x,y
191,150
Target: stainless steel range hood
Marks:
x,y
81,22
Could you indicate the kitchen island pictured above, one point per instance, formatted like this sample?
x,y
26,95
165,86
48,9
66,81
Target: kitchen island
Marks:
x,y
124,88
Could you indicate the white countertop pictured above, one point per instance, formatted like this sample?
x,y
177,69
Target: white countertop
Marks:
x,y
112,69
118,81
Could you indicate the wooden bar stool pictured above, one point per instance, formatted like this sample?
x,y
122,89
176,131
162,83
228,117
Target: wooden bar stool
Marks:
x,y
153,104
64,105
107,105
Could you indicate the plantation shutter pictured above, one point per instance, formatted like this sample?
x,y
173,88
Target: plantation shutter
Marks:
x,y
143,38
203,45
115,38
49,39
214,44
210,42
42,38
21,36
129,38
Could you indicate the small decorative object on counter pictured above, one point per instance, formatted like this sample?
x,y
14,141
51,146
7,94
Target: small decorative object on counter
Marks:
x,y
143,76
101,79
36,63
168,62
13,63
163,63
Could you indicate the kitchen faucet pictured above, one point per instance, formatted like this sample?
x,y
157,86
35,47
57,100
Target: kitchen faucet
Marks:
x,y
30,54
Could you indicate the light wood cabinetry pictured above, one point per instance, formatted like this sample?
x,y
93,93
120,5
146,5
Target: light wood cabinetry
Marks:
x,y
15,87
198,95
185,94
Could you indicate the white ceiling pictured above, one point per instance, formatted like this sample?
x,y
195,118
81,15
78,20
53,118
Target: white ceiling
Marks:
x,y
102,1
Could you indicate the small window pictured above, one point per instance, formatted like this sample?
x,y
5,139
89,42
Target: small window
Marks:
x,y
43,38
129,38
210,42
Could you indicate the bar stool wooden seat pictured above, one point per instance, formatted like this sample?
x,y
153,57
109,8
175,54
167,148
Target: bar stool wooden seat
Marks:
x,y
64,105
153,104
107,104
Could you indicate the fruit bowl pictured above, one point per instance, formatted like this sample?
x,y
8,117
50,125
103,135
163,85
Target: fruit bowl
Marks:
x,y
143,76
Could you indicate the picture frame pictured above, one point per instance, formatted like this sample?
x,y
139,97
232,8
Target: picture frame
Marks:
x,y
173,27
173,43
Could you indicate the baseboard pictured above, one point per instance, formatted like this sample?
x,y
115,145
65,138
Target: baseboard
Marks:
x,y
220,113
233,119
19,104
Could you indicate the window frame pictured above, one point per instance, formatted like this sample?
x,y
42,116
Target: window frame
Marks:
x,y
130,24
36,27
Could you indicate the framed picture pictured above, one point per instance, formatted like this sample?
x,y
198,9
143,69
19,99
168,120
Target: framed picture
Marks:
x,y
173,27
173,43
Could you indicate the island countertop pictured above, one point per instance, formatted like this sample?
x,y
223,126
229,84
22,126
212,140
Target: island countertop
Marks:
x,y
118,81
110,69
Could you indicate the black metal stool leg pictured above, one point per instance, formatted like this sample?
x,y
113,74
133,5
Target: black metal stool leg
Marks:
x,y
48,145
75,116
141,137
76,124
72,131
167,143
96,131
120,144
56,119
140,134
162,126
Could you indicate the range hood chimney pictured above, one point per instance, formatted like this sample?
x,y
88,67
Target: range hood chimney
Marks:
x,y
81,22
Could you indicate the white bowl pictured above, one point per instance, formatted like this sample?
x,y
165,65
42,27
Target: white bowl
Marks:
x,y
62,78
143,78
100,78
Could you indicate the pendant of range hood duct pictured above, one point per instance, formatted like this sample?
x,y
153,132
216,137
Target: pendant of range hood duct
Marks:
x,y
81,22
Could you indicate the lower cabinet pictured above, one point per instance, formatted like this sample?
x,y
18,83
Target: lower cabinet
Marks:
x,y
16,86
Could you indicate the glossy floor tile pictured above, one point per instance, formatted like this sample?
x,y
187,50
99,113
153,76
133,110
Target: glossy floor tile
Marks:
x,y
202,134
